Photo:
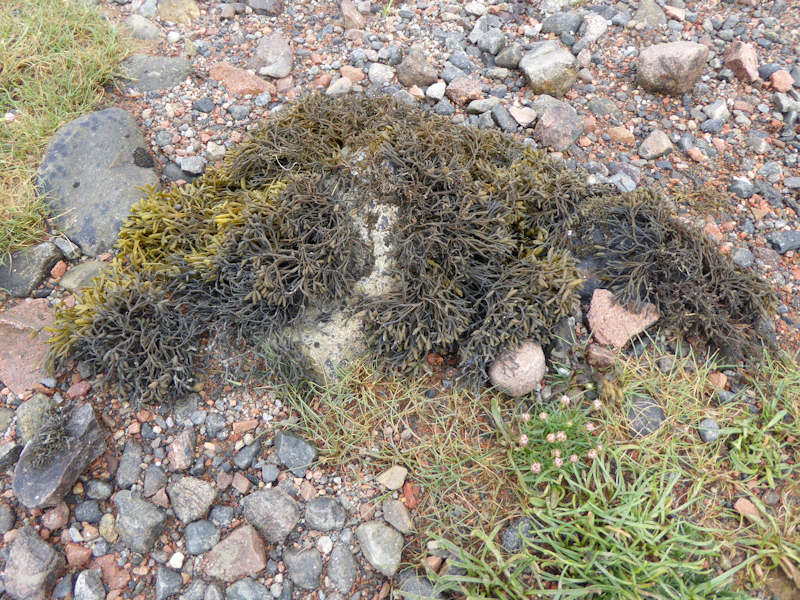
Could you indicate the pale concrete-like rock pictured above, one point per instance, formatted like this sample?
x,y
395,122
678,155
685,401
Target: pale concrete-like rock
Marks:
x,y
655,145
612,324
558,126
671,68
381,545
191,498
517,373
145,73
393,478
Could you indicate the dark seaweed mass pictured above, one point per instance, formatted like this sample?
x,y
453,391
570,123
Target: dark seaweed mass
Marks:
x,y
488,235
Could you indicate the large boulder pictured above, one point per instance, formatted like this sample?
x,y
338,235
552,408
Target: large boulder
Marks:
x,y
178,11
35,485
671,68
549,68
91,176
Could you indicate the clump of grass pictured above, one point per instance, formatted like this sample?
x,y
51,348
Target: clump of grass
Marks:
x,y
619,533
55,58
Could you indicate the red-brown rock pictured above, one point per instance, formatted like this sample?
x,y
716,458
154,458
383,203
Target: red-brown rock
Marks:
x,y
614,325
78,556
114,576
238,555
743,61
351,17
239,81
781,80
57,517
463,89
32,568
21,356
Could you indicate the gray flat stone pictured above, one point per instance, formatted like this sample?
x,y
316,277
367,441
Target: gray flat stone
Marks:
x,y
168,583
191,498
146,73
80,276
247,589
342,569
130,465
325,514
645,416
381,545
90,178
27,268
295,453
272,512
784,241
139,522
305,568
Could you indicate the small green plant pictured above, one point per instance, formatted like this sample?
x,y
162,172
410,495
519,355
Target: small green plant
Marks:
x,y
619,533
387,8
555,442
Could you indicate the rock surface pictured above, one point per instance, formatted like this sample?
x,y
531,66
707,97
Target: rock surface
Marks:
x,y
24,346
644,415
46,486
272,512
273,56
191,498
90,178
295,453
178,11
139,522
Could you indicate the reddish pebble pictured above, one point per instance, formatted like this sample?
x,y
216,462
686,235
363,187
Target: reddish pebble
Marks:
x,y
77,556
696,154
57,517
243,426
781,80
57,272
77,390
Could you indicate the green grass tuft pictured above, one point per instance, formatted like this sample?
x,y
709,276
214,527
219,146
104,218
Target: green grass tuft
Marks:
x,y
55,58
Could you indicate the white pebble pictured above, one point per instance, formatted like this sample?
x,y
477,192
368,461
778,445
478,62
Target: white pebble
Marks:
x,y
176,560
173,37
325,544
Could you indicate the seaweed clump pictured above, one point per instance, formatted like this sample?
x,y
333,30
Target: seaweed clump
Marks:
x,y
485,245
52,439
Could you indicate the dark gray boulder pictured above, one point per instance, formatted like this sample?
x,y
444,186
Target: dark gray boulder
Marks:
x,y
90,177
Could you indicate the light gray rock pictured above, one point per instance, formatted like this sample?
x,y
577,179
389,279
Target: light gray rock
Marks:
x,y
380,74
650,14
415,587
146,73
382,546
509,56
273,56
709,430
295,453
168,583
142,28
139,523
89,585
80,275
32,567
272,512
339,87
37,487
342,569
549,68
196,589
324,513
247,589
671,68
655,145
396,514
305,568
518,372
91,179
272,8
191,498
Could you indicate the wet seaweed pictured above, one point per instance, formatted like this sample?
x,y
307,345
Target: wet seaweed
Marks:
x,y
486,242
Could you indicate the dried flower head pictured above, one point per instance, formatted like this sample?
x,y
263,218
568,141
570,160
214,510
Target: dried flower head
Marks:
x,y
523,440
573,458
558,462
565,400
526,416
536,467
543,416
592,454
551,438
561,436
